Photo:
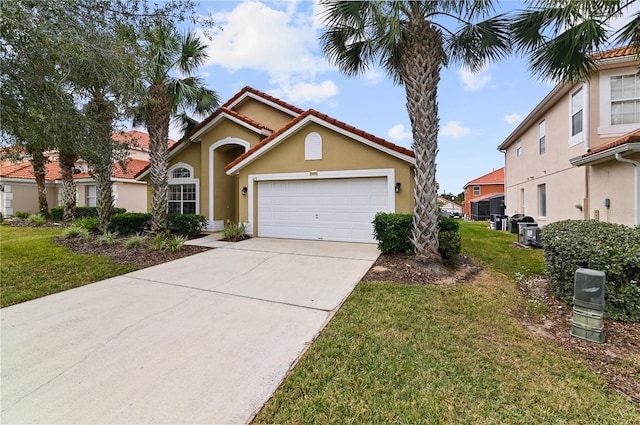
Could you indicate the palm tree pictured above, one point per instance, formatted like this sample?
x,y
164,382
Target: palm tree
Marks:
x,y
168,96
412,41
560,36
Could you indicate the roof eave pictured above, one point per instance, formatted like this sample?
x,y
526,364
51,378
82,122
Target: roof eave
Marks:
x,y
605,155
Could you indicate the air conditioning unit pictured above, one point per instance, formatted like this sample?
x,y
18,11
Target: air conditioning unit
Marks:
x,y
522,226
532,236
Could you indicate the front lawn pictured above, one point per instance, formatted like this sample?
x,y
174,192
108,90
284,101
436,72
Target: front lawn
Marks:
x,y
450,354
32,266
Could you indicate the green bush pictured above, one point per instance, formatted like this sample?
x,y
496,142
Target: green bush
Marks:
x,y
159,242
611,248
21,214
130,223
89,223
234,232
136,241
107,238
37,219
188,225
393,232
80,212
449,246
176,243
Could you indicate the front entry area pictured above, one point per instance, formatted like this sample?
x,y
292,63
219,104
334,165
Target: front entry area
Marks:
x,y
330,209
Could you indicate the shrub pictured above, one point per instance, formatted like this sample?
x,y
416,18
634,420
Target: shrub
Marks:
x,y
159,242
234,232
130,223
449,246
81,212
75,231
176,243
37,219
1,217
89,223
21,214
107,238
611,248
393,232
188,225
135,241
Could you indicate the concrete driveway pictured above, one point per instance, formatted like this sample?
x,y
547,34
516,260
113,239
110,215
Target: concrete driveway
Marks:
x,y
204,339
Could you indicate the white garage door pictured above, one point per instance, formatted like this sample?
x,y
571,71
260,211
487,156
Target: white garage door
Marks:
x,y
334,210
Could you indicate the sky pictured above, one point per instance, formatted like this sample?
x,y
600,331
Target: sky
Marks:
x,y
273,46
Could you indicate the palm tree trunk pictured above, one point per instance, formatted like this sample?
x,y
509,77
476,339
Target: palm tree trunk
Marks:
x,y
158,126
67,162
38,161
104,193
420,64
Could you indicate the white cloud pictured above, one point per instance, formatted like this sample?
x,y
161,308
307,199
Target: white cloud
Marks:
x,y
373,76
306,92
454,129
473,81
514,118
398,133
280,41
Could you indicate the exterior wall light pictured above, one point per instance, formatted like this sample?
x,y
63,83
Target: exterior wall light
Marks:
x,y
398,187
244,191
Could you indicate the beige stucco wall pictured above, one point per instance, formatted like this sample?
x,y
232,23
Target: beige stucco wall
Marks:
x,y
131,196
338,153
613,180
23,197
272,118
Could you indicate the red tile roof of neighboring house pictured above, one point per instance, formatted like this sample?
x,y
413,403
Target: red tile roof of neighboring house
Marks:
x,y
24,170
615,53
633,137
270,98
137,138
494,177
328,119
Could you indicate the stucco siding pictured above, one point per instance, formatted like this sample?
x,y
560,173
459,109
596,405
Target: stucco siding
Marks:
x,y
131,196
613,180
272,118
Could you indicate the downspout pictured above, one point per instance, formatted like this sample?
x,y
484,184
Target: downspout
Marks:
x,y
636,166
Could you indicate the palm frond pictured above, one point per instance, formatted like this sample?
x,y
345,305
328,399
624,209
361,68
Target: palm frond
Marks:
x,y
476,44
630,33
193,53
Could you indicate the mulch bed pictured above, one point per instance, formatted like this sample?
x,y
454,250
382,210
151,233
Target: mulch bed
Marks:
x,y
617,360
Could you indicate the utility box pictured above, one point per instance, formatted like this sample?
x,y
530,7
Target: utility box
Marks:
x,y
588,305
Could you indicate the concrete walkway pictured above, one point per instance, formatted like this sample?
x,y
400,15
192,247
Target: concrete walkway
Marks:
x,y
204,339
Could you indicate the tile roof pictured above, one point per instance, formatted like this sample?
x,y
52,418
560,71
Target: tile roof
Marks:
x,y
24,170
248,89
328,119
633,137
225,109
616,53
494,177
137,138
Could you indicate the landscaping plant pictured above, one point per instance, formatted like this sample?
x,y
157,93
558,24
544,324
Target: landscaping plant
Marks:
x,y
135,241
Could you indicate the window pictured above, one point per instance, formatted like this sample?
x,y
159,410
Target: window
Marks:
x,y
476,190
183,190
625,99
91,196
541,140
313,146
182,198
519,148
577,110
180,173
542,200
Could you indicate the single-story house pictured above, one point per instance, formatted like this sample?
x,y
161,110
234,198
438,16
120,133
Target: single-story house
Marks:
x,y
286,172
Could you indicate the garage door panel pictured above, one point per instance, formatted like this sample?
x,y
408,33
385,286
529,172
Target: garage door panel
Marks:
x,y
338,209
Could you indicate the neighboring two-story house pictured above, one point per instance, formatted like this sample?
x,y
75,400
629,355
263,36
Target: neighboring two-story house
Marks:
x,y
577,154
481,193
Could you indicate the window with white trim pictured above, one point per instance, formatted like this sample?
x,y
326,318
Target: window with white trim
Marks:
x,y
577,113
625,99
183,190
91,196
542,131
519,148
476,190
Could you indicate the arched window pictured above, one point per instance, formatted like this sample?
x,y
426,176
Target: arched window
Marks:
x,y
183,190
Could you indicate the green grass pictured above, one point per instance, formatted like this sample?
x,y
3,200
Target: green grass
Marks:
x,y
32,266
411,354
492,249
